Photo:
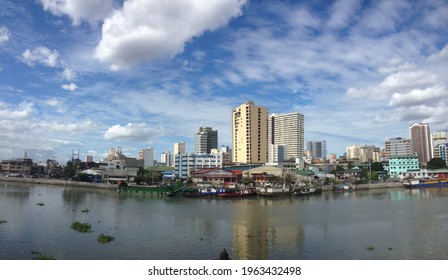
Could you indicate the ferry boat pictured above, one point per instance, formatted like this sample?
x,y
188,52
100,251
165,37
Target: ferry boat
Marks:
x,y
237,192
426,183
306,191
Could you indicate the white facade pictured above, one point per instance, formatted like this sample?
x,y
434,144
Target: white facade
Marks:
x,y
287,130
185,163
167,158
397,147
147,155
179,148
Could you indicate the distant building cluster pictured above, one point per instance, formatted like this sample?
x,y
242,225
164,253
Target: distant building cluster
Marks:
x,y
274,141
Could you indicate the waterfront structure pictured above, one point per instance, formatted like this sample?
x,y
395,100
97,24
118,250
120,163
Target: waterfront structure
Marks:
x,y
249,133
179,148
206,139
421,143
441,151
399,165
397,147
287,130
216,176
22,166
185,163
166,158
147,156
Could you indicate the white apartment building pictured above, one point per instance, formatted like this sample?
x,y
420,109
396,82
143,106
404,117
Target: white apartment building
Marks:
x,y
185,163
286,130
147,155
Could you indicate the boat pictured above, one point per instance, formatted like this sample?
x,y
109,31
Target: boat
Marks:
x,y
426,183
272,191
306,191
343,187
237,192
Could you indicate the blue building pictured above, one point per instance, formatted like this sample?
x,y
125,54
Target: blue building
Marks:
x,y
402,164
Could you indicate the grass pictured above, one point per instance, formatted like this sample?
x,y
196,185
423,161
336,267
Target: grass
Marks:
x,y
81,227
102,238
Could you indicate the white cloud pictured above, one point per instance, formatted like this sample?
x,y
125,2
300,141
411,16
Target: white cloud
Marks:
x,y
149,29
53,102
4,35
68,74
132,132
79,10
70,87
419,96
41,55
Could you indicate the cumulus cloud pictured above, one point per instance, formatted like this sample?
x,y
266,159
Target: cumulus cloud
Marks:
x,y
79,10
68,74
41,55
70,87
132,132
419,96
149,29
4,35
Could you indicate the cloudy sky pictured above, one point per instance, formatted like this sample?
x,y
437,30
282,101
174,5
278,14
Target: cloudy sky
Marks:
x,y
89,75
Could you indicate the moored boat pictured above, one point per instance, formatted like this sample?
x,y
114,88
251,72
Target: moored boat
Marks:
x,y
426,183
306,191
237,192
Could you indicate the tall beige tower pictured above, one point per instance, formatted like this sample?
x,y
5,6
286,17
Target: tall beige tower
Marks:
x,y
250,133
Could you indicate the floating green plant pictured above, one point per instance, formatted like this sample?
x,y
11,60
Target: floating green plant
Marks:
x,y
102,238
370,248
81,227
42,257
40,204
86,210
3,221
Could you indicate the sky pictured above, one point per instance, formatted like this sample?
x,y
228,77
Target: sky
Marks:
x,y
90,75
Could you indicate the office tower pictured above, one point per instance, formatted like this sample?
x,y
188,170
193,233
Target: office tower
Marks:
x,y
249,133
421,143
206,139
287,130
147,155
397,147
179,148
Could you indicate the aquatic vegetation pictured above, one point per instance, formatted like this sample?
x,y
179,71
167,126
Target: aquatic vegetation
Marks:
x,y
40,204
102,238
81,227
42,257
370,248
3,221
86,210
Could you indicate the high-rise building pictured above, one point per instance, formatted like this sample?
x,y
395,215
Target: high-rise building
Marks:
x,y
206,139
249,133
179,148
147,155
421,143
441,151
166,158
316,148
287,130
397,147
439,137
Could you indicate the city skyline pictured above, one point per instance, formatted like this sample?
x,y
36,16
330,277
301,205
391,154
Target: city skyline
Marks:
x,y
137,74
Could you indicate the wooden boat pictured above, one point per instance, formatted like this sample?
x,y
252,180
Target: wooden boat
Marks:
x,y
237,192
306,191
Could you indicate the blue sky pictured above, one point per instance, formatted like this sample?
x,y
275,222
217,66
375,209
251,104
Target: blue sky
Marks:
x,y
90,75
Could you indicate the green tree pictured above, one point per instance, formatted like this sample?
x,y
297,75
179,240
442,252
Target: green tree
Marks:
x,y
377,166
436,163
72,168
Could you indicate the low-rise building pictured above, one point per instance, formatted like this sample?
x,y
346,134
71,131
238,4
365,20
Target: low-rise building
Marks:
x,y
185,163
402,165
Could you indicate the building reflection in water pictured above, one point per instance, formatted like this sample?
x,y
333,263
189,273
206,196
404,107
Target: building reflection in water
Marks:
x,y
258,228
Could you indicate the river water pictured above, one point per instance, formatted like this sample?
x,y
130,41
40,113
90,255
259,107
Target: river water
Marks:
x,y
379,224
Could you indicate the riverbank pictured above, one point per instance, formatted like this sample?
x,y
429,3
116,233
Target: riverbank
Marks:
x,y
59,182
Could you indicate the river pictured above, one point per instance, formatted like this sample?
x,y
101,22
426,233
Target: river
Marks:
x,y
383,224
